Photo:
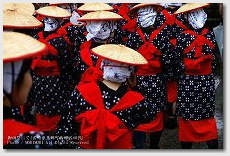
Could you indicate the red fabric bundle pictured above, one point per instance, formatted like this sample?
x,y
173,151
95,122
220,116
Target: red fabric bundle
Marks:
x,y
100,127
12,129
200,66
46,122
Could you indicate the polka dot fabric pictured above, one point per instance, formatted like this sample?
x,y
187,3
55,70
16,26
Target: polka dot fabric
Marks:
x,y
196,93
196,97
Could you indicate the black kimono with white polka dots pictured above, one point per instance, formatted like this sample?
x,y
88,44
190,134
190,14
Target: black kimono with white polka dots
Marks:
x,y
172,63
76,36
153,86
48,93
196,93
142,112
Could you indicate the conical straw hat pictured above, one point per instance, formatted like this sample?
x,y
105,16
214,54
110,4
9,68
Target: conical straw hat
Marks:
x,y
53,11
191,6
119,53
18,46
89,7
26,8
13,19
100,16
138,6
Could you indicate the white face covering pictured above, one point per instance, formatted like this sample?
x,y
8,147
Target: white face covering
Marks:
x,y
100,29
74,18
8,72
146,16
51,24
197,18
116,72
167,5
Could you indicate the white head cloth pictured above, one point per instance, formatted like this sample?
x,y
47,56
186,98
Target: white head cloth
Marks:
x,y
146,16
116,72
197,18
100,29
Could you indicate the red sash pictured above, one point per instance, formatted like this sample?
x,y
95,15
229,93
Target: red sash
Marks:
x,y
85,53
148,50
62,32
202,65
44,67
100,127
93,73
198,42
170,20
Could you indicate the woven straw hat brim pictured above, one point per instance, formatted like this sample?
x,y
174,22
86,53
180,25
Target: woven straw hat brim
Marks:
x,y
100,16
26,8
18,46
53,11
134,9
58,3
13,19
119,53
89,7
191,6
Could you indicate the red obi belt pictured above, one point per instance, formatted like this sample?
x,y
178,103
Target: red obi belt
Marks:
x,y
100,128
148,50
202,65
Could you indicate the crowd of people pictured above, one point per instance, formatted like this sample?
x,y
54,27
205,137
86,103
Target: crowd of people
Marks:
x,y
106,76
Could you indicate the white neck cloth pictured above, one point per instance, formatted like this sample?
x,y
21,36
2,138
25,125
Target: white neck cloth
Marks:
x,y
116,72
8,73
146,16
197,18
100,29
